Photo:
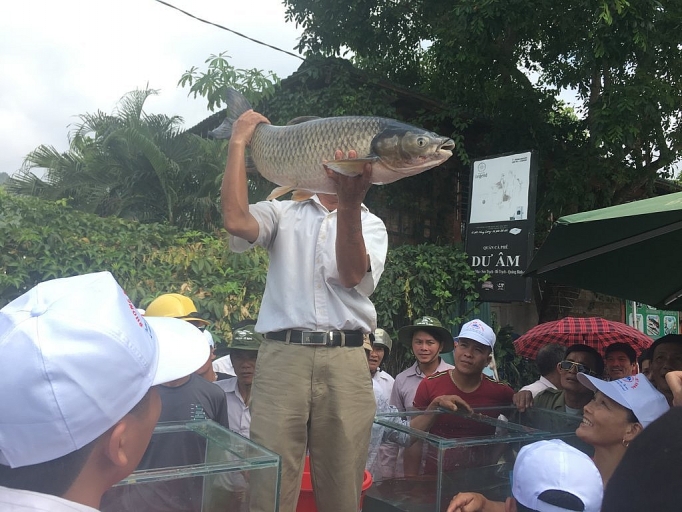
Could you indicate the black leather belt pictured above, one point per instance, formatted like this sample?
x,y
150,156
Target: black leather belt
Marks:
x,y
318,338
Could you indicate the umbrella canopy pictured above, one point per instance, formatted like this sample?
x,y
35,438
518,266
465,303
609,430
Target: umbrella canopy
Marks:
x,y
628,251
592,331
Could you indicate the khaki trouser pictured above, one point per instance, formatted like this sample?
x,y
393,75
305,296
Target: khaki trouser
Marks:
x,y
318,398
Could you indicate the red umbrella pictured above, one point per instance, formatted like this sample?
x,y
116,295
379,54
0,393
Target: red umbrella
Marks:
x,y
592,331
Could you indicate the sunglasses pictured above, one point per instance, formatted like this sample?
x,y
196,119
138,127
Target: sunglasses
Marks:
x,y
568,366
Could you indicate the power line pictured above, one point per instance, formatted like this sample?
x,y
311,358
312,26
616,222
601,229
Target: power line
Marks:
x,y
229,30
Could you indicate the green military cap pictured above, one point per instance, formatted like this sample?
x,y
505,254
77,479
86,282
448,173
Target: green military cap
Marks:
x,y
431,325
381,337
246,338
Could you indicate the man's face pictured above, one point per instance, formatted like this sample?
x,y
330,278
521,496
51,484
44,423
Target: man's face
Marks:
x,y
375,357
471,356
425,347
244,363
569,378
206,371
646,368
618,365
666,358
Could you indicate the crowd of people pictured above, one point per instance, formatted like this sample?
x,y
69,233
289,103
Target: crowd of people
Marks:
x,y
82,393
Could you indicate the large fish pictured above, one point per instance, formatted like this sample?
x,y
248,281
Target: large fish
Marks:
x,y
292,156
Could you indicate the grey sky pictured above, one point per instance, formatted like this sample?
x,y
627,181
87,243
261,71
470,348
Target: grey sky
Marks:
x,y
68,57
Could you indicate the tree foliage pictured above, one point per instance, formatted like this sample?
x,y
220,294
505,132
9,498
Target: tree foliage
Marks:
x,y
220,75
507,61
42,240
422,280
133,165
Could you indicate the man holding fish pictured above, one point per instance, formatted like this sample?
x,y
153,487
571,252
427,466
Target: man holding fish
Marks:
x,y
326,256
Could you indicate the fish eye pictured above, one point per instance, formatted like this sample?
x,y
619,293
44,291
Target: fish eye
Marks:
x,y
421,142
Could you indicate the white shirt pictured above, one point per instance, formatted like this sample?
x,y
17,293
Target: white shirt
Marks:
x,y
16,500
383,385
406,384
381,457
238,413
538,386
302,290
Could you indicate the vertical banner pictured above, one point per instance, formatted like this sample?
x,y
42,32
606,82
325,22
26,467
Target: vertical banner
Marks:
x,y
501,226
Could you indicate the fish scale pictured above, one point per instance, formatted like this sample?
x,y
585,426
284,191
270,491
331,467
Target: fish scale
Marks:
x,y
292,156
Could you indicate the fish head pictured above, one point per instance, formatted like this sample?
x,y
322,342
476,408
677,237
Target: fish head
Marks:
x,y
408,150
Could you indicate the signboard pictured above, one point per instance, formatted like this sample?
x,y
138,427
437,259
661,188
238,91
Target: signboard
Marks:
x,y
499,234
653,322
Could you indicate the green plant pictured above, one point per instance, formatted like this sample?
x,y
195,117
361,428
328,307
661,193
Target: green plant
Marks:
x,y
42,240
418,280
517,371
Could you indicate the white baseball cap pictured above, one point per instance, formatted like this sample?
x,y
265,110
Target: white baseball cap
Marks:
x,y
555,465
208,337
635,393
478,330
76,357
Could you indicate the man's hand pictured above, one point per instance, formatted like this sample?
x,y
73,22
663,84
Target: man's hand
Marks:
x,y
351,190
449,402
474,502
674,380
523,400
245,125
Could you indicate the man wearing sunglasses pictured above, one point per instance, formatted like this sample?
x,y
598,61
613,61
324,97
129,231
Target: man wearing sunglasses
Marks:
x,y
574,396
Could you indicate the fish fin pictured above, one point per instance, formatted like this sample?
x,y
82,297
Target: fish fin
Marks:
x,y
236,105
301,195
302,119
279,191
224,131
350,166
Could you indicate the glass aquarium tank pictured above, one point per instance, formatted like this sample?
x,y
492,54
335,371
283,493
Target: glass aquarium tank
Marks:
x,y
197,466
475,453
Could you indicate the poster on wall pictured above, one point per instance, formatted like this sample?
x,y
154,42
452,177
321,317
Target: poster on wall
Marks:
x,y
501,224
653,322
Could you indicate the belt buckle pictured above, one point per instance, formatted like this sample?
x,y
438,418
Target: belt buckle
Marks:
x,y
315,338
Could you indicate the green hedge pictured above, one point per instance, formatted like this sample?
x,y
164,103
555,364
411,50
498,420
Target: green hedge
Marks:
x,y
42,240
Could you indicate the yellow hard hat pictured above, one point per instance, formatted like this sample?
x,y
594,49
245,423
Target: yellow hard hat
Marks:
x,y
175,305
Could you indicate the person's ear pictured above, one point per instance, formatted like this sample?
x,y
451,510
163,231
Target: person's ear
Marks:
x,y
510,505
116,446
632,431
490,358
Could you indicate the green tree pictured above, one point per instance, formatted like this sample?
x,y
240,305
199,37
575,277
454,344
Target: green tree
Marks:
x,y
220,75
133,165
42,240
507,62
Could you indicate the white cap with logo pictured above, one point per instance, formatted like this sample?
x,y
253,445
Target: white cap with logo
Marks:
x,y
479,331
635,393
555,466
75,357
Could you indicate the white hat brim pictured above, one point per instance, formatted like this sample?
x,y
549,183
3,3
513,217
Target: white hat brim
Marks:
x,y
182,348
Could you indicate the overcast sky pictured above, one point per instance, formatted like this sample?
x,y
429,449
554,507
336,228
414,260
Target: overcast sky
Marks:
x,y
62,58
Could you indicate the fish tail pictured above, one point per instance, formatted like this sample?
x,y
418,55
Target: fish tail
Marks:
x,y
236,105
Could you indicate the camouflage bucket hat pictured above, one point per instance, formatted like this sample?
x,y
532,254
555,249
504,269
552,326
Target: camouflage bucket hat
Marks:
x,y
431,325
382,339
245,338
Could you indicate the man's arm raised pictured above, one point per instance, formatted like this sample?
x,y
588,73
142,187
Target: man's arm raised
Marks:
x,y
351,254
234,196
